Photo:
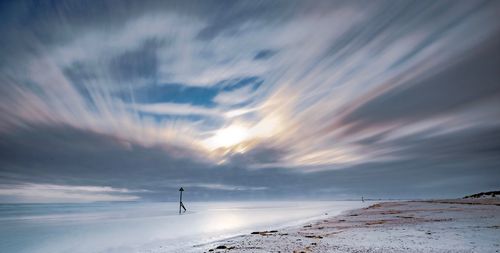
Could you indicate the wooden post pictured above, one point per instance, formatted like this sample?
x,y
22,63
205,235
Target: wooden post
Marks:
x,y
180,201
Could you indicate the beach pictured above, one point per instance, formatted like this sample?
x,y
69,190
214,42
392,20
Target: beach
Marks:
x,y
459,225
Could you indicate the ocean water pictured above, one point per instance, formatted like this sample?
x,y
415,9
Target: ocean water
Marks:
x,y
147,227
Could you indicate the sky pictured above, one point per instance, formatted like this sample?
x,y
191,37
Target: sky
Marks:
x,y
248,100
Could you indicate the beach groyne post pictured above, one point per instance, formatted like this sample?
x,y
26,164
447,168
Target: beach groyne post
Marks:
x,y
181,205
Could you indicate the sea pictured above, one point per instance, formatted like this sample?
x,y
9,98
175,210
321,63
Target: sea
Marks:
x,y
148,227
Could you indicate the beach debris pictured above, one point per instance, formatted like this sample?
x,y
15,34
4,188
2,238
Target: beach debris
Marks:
x,y
377,222
222,247
374,206
314,236
440,220
264,233
405,217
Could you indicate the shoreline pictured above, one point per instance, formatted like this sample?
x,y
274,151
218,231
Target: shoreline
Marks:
x,y
326,213
451,225
281,227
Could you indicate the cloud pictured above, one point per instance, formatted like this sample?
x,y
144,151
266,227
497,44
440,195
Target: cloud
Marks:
x,y
469,81
137,64
175,109
326,93
224,187
234,97
61,160
47,193
264,54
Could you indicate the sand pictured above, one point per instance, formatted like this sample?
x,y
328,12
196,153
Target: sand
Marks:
x,y
407,226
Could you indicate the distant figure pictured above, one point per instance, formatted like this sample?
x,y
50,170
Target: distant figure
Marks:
x,y
181,205
362,199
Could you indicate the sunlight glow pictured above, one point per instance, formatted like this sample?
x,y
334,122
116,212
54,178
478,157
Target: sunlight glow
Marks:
x,y
227,137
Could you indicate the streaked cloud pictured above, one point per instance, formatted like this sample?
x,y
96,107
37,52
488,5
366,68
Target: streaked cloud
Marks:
x,y
175,109
274,92
224,187
43,193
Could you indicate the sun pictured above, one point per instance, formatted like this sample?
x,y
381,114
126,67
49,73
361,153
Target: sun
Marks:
x,y
227,137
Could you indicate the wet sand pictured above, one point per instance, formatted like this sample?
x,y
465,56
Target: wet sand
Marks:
x,y
406,226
